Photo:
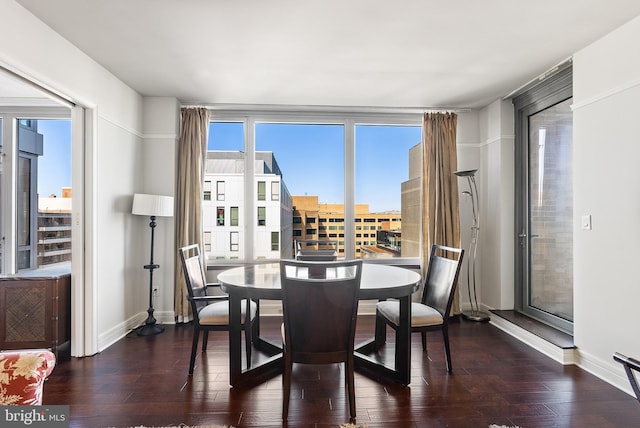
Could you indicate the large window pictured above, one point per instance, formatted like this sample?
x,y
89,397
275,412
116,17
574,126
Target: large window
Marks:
x,y
286,173
307,160
388,188
224,170
40,232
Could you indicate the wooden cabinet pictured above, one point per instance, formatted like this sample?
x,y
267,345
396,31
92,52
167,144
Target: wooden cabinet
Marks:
x,y
35,312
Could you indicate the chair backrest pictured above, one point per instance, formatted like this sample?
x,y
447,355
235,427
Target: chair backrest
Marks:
x,y
314,250
193,275
442,278
320,306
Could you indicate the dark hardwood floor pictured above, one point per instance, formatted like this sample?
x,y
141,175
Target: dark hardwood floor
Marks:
x,y
496,379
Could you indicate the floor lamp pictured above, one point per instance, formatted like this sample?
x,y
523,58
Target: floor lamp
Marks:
x,y
475,314
152,206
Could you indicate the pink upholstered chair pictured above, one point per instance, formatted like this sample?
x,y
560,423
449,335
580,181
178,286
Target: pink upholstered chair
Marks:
x,y
22,375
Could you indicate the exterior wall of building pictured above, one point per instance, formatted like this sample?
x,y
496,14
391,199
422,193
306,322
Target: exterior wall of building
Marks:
x,y
286,223
223,238
410,205
315,221
54,229
263,245
217,238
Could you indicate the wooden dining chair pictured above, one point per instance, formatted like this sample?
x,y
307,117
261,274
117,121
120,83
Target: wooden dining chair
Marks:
x,y
432,312
320,306
210,312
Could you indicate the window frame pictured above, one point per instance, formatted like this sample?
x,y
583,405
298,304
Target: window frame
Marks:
x,y
234,216
275,190
220,190
262,216
234,241
12,118
206,190
220,216
349,119
262,190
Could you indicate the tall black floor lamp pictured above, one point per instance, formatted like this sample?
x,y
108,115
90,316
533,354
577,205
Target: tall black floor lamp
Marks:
x,y
475,314
152,206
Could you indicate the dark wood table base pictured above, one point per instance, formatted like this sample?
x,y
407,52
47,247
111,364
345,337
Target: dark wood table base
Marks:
x,y
364,364
263,282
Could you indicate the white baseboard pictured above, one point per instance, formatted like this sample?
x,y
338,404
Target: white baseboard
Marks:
x,y
608,371
116,333
611,371
119,331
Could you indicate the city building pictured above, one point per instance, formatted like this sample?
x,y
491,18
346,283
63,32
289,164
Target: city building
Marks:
x,y
377,235
54,228
224,208
314,221
410,205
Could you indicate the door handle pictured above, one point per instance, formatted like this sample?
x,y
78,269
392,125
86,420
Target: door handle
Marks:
x,y
523,236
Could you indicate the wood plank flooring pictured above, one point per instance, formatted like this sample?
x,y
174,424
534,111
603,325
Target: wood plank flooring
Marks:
x,y
496,379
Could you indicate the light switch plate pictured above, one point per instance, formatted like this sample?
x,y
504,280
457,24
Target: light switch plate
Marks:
x,y
586,222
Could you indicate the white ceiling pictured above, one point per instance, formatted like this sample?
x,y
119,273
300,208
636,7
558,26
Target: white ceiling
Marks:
x,y
357,53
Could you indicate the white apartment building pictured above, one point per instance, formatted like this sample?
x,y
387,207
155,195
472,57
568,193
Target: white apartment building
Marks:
x,y
224,208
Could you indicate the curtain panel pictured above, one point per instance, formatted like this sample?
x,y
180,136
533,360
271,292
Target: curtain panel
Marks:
x,y
192,154
440,201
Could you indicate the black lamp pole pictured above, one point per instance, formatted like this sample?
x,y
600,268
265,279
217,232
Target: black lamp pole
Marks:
x,y
475,314
149,328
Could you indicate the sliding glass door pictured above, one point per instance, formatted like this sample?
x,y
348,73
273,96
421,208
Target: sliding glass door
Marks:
x,y
544,222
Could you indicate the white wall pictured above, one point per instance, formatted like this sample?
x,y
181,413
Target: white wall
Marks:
x,y
158,166
496,183
485,143
32,49
606,88
607,186
468,147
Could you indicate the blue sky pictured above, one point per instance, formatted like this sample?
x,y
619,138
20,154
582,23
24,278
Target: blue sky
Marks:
x,y
311,158
54,168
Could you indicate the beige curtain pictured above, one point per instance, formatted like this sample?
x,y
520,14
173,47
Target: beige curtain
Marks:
x,y
192,154
440,213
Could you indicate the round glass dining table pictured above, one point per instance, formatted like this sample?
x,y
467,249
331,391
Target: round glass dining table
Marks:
x,y
262,281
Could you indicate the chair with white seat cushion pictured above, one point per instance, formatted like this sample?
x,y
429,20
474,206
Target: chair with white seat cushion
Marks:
x,y
210,312
432,312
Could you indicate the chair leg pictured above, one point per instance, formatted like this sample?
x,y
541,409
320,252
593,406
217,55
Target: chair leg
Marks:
x,y
248,342
351,388
447,349
205,340
286,389
424,340
194,348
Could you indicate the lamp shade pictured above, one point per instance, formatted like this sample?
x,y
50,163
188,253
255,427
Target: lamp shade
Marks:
x,y
466,173
152,205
